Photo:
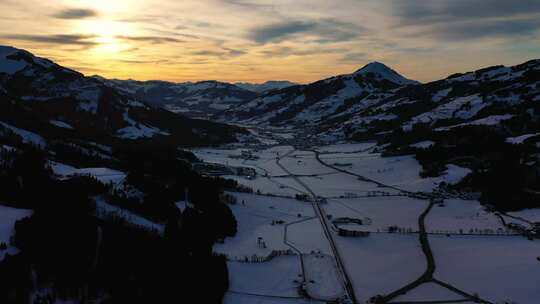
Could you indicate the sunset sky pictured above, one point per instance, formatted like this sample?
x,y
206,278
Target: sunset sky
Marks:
x,y
248,40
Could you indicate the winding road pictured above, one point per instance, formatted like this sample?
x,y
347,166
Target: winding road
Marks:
x,y
428,275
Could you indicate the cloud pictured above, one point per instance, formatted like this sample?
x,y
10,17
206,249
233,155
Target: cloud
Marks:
x,y
234,52
354,57
151,39
443,11
333,30
75,13
468,19
221,53
280,31
83,40
285,51
247,4
191,23
324,31
484,29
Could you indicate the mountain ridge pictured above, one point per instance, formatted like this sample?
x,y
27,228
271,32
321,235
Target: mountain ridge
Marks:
x,y
55,93
312,102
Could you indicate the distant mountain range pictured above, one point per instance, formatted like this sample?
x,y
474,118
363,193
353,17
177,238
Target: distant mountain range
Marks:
x,y
315,102
266,86
195,99
200,99
487,120
39,96
92,173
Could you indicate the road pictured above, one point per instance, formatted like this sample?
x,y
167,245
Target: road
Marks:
x,y
360,177
428,275
291,245
328,233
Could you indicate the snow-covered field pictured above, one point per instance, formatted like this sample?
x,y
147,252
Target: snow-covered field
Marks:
x,y
496,268
276,186
347,148
381,263
338,184
379,213
103,209
275,277
308,236
322,279
255,214
531,215
304,163
235,298
104,175
8,217
401,171
26,136
462,216
264,164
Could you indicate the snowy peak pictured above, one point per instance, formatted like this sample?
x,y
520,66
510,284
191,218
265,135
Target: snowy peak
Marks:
x,y
7,50
10,62
13,60
380,71
315,102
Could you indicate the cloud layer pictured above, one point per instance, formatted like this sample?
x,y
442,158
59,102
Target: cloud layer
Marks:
x,y
258,40
75,13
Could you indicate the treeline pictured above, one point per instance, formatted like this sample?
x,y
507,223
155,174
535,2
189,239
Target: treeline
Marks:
x,y
507,175
78,256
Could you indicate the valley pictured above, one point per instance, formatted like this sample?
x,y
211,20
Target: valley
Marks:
x,y
409,230
366,187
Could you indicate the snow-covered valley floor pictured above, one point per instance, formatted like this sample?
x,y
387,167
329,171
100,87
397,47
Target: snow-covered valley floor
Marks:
x,y
290,250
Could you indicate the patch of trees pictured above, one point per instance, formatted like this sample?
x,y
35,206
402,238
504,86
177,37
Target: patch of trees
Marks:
x,y
82,258
27,182
79,256
500,170
185,131
161,173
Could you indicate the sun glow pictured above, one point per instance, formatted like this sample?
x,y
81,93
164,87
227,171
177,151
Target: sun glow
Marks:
x,y
109,45
104,28
106,34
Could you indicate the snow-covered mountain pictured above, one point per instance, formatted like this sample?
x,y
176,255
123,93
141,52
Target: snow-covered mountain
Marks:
x,y
495,95
313,103
195,99
266,86
487,120
93,174
40,96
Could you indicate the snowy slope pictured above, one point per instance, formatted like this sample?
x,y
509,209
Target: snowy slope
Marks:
x,y
8,217
459,100
35,91
196,99
266,86
313,102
